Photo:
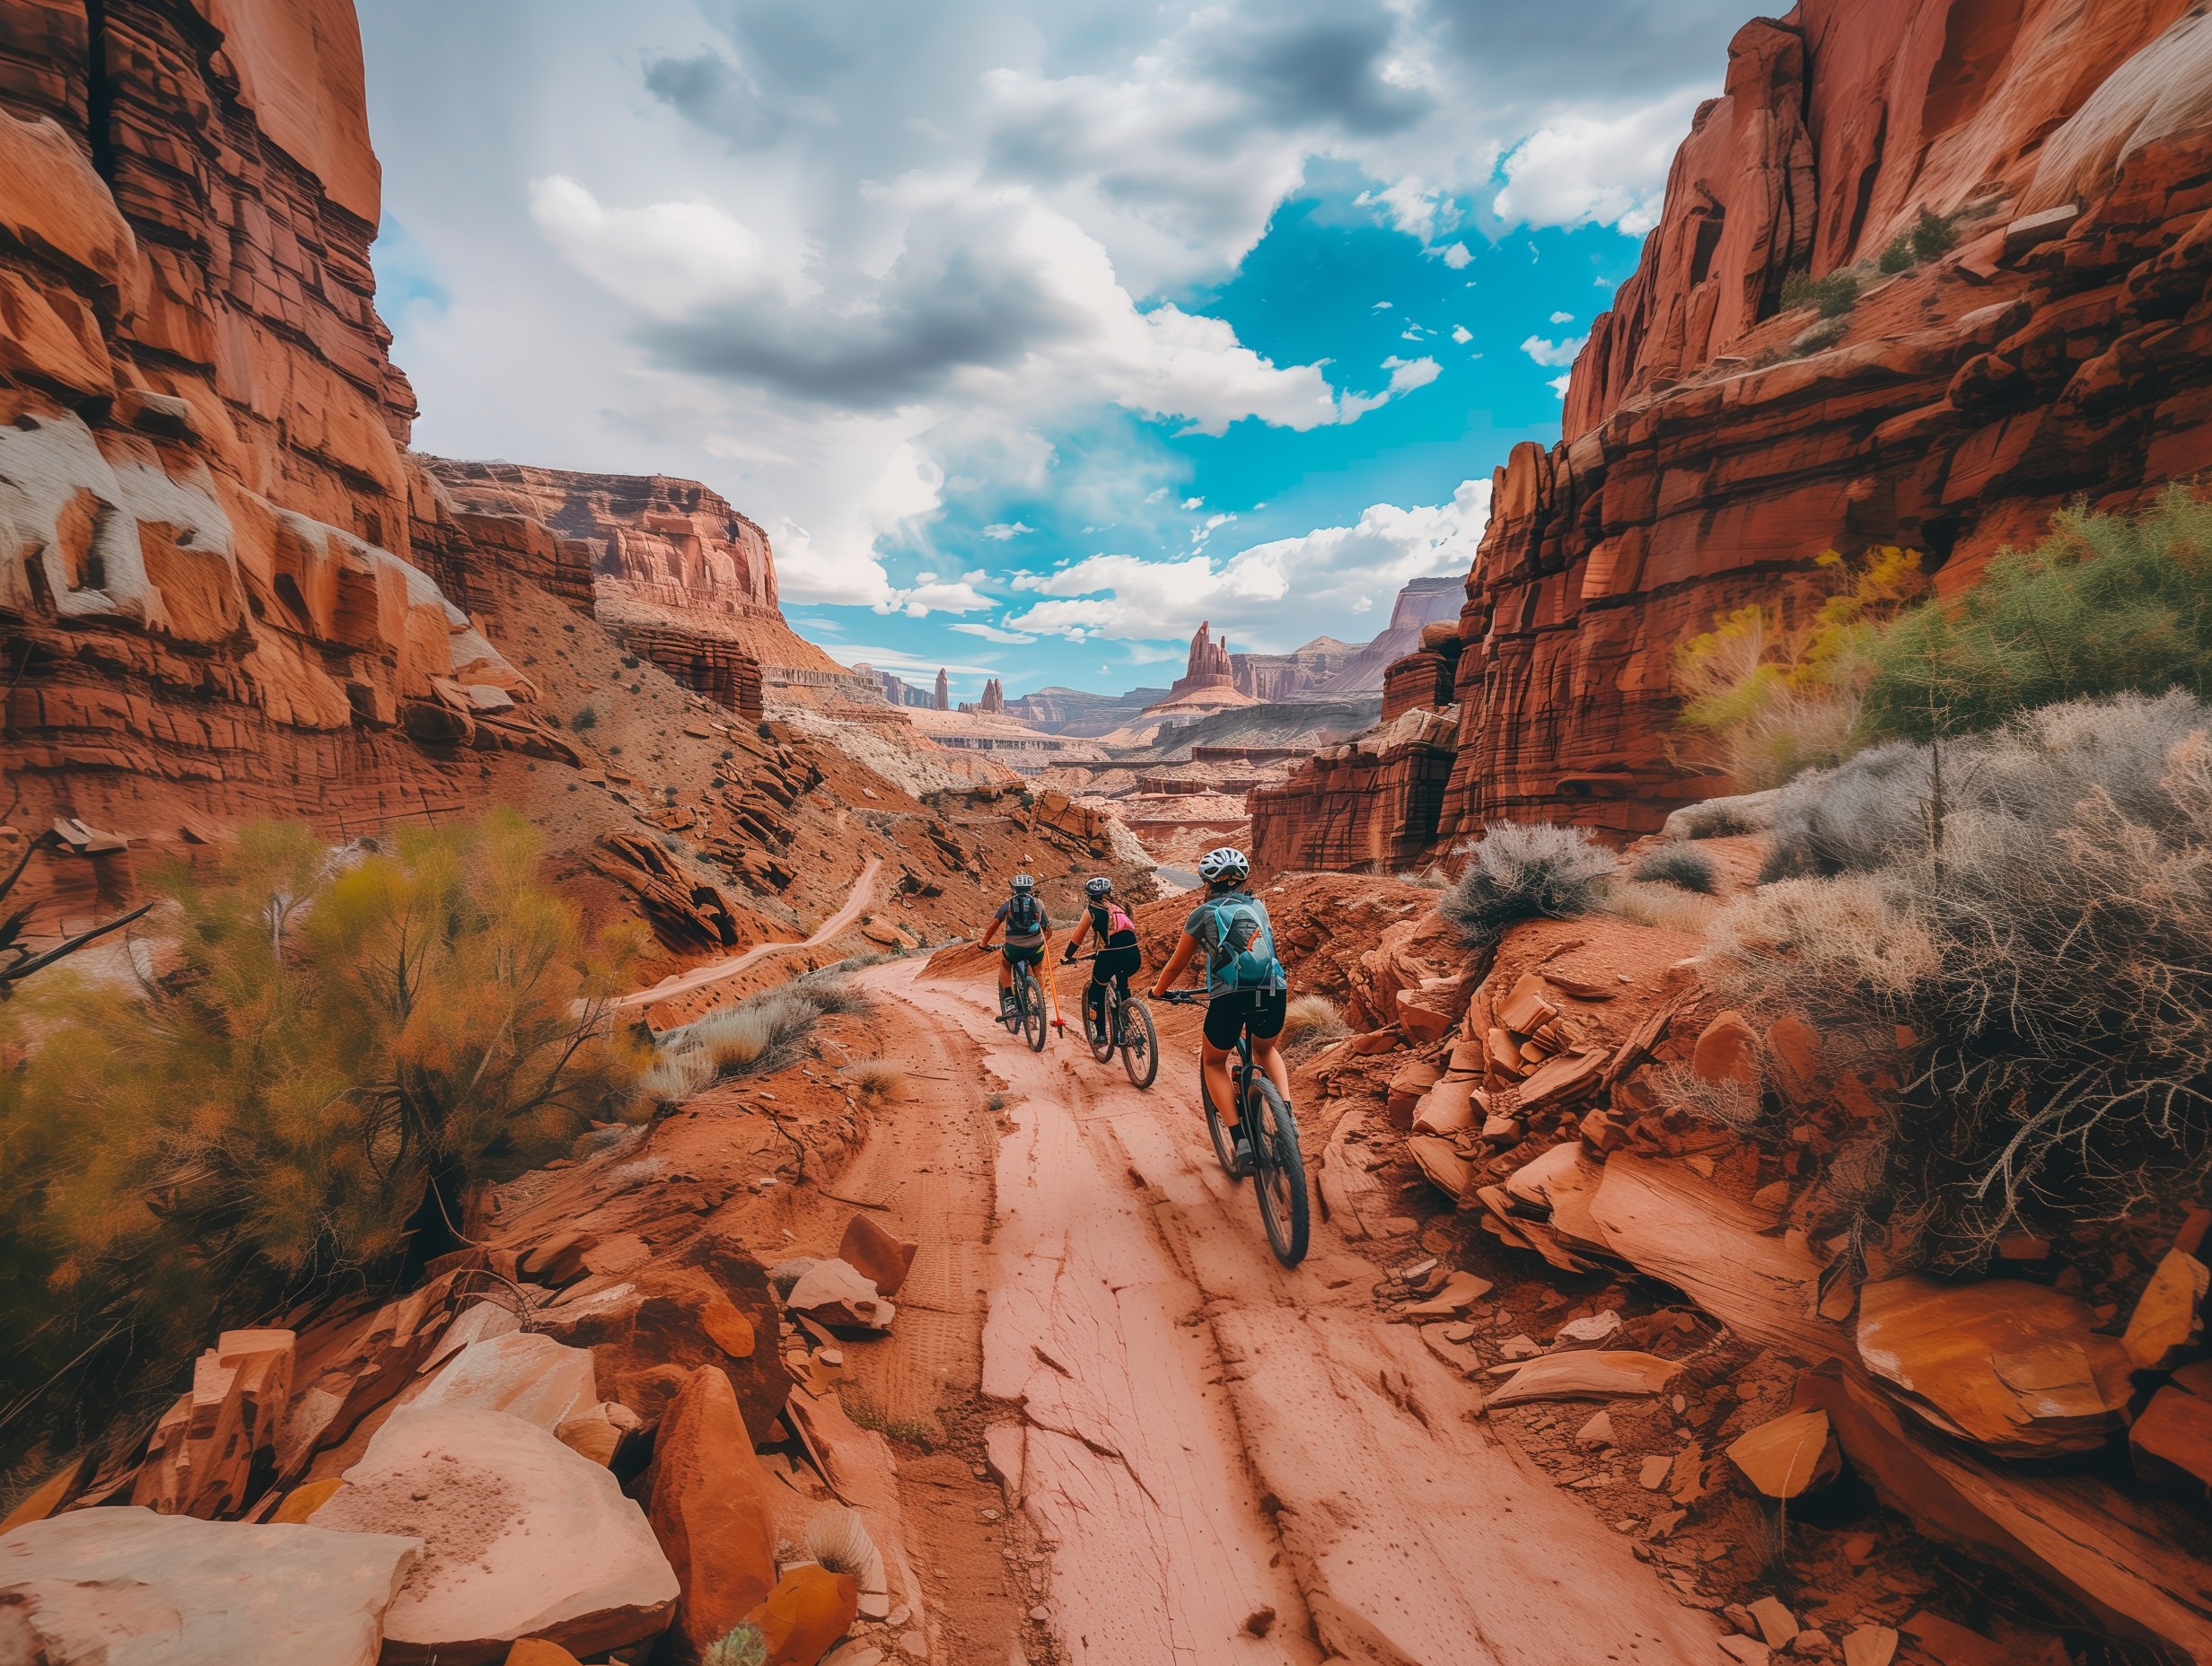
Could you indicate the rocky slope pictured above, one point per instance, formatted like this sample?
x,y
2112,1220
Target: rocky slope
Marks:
x,y
1716,443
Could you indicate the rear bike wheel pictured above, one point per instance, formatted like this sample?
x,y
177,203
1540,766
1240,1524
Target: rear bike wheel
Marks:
x,y
1224,1142
1140,1043
1032,1010
1278,1172
1101,1038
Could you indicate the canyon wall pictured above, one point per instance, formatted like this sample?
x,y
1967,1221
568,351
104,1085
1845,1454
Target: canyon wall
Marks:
x,y
1716,443
218,570
663,552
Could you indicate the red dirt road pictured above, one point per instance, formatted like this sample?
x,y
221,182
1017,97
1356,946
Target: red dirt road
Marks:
x,y
1201,1437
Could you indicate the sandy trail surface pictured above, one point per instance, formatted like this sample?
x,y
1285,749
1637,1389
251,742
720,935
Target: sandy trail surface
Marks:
x,y
1227,1462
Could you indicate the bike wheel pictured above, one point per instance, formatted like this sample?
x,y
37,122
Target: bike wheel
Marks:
x,y
1140,1043
1033,1010
1224,1142
1101,1039
1278,1172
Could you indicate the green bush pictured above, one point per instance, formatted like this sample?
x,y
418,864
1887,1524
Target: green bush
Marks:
x,y
1932,236
1832,296
346,1046
2105,605
585,718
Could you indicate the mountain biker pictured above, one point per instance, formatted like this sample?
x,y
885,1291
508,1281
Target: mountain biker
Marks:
x,y
1118,955
1022,917
1246,988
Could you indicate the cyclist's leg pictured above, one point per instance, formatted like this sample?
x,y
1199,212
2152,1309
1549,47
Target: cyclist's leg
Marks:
x,y
1265,1024
1094,998
1214,1064
1005,968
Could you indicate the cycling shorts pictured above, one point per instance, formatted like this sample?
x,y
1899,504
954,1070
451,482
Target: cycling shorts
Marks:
x,y
1112,963
1022,953
1260,1011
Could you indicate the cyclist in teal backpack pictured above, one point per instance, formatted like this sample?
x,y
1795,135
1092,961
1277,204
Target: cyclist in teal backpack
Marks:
x,y
1246,988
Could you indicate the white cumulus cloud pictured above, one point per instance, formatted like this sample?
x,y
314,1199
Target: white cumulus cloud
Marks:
x,y
1272,596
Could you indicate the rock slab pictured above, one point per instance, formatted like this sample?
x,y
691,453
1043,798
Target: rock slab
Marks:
x,y
126,1587
521,1537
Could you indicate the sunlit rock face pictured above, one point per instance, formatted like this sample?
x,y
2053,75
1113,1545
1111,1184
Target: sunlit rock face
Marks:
x,y
1716,443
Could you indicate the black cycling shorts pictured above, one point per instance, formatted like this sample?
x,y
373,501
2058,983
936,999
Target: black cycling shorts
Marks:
x,y
1022,954
1260,1011
1112,963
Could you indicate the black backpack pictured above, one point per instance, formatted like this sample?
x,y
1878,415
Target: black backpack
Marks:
x,y
1023,917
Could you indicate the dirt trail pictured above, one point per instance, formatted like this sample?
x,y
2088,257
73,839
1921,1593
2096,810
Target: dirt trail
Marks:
x,y
699,976
1201,1437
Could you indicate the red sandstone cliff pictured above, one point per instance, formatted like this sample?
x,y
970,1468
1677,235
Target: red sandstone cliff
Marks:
x,y
1715,443
219,575
671,560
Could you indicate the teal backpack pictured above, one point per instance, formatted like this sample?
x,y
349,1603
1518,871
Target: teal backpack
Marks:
x,y
1254,966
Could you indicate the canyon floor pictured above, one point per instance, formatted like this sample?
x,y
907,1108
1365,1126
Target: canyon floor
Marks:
x,y
1197,1455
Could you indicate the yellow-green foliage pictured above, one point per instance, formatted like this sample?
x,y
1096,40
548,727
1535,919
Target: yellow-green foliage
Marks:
x,y
1779,689
345,1043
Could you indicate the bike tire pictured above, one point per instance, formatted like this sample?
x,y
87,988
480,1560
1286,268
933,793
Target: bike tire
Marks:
x,y
1102,1042
1033,1010
1224,1142
1278,1172
1140,1043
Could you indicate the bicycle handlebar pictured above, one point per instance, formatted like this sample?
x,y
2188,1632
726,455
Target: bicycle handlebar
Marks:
x,y
1184,997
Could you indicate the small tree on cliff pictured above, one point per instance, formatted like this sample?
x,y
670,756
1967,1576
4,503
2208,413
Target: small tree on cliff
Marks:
x,y
346,1046
1774,690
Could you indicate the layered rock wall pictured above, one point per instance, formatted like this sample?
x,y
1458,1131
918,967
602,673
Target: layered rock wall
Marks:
x,y
1716,444
208,601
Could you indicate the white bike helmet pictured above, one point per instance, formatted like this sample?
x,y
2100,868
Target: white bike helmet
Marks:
x,y
1022,881
1228,862
1099,887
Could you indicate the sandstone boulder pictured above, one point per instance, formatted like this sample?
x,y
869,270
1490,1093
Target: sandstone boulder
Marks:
x,y
810,1609
216,1449
650,1331
2014,1367
125,1585
710,1510
522,1373
881,1259
521,1537
838,1294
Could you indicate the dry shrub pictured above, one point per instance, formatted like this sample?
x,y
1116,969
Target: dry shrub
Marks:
x,y
759,1035
1312,1018
2042,922
1522,871
1681,866
878,1081
838,1540
1662,908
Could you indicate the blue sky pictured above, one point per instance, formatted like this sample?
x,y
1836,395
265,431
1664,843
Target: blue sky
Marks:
x,y
1034,332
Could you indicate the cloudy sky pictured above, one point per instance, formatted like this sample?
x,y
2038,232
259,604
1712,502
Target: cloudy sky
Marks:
x,y
1034,331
